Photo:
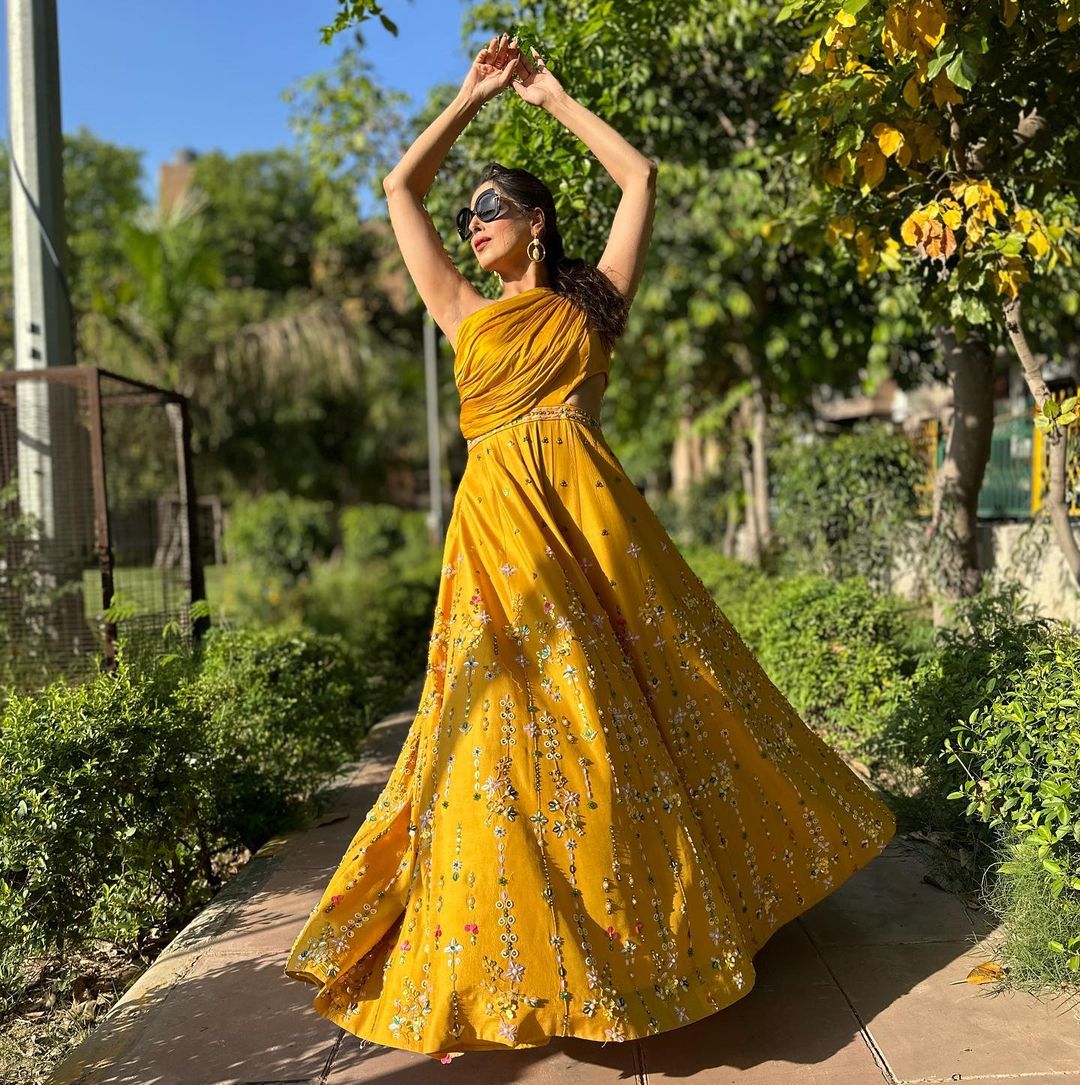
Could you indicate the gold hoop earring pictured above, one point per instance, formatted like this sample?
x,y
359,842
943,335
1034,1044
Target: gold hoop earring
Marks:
x,y
538,256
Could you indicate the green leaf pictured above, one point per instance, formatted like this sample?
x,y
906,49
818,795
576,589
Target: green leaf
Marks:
x,y
938,63
960,71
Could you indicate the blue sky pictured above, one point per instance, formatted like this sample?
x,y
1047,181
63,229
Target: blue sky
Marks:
x,y
159,75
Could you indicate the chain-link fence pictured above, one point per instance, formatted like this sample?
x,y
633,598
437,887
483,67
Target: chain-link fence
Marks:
x,y
99,523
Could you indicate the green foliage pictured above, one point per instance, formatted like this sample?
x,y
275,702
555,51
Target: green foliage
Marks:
x,y
1052,414
1041,928
842,503
380,531
352,13
385,609
377,590
261,217
98,826
280,711
1020,754
709,508
909,126
970,664
279,535
837,650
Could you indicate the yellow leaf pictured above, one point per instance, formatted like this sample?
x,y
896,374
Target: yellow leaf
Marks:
x,y
927,144
889,139
944,90
927,20
1039,244
911,93
811,59
895,34
840,227
913,227
890,254
951,214
873,164
1009,10
987,972
936,241
833,174
844,18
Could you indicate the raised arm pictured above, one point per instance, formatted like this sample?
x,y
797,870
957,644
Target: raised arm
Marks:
x,y
623,258
446,293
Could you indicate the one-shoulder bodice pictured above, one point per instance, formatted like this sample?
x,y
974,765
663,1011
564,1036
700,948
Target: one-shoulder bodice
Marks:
x,y
520,352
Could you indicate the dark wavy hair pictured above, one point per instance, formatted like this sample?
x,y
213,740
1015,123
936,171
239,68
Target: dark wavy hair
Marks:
x,y
584,284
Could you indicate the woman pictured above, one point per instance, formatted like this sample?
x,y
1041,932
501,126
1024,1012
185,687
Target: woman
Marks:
x,y
603,807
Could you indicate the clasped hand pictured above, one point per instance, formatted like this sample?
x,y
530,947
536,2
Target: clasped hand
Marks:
x,y
501,64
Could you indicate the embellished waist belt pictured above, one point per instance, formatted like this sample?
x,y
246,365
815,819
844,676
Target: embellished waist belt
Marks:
x,y
549,410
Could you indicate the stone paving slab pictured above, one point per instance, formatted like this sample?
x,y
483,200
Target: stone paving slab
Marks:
x,y
867,987
933,1025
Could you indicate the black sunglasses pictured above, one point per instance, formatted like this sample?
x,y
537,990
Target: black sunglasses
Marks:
x,y
489,207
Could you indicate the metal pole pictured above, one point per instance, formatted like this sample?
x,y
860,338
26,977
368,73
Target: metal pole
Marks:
x,y
191,557
55,485
43,317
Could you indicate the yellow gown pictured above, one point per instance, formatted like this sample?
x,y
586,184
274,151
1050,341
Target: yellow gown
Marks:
x,y
603,807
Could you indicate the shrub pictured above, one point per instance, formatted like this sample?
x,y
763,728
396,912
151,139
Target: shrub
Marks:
x,y
969,664
842,502
703,512
372,531
278,535
97,785
1020,757
388,617
838,650
281,711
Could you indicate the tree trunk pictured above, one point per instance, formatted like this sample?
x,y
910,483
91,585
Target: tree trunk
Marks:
x,y
743,444
731,525
1057,504
954,559
760,464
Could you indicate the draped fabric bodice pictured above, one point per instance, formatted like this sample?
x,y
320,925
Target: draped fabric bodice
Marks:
x,y
520,352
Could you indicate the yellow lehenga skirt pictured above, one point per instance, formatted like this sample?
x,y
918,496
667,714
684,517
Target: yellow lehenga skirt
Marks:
x,y
603,807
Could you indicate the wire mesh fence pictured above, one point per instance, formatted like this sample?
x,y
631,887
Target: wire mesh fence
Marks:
x,y
99,534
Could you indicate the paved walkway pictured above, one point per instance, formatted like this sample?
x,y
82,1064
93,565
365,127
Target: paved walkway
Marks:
x,y
868,987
